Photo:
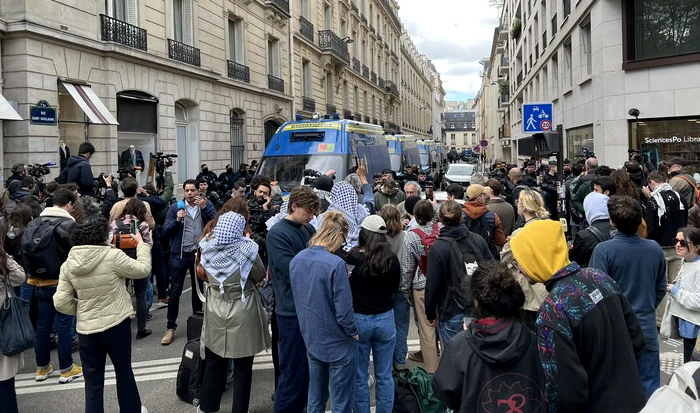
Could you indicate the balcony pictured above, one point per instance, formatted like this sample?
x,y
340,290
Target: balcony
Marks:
x,y
306,29
357,116
503,102
371,29
281,5
237,71
330,43
356,65
390,10
183,53
555,25
275,83
363,18
380,38
375,121
381,84
365,72
394,55
502,133
373,77
126,34
308,104
367,119
354,8
392,88
503,67
330,109
503,33
347,114
500,46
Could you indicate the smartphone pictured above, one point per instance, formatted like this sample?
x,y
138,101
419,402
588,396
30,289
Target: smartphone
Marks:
x,y
133,227
350,268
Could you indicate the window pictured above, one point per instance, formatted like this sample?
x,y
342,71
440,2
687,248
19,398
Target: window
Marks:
x,y
473,138
371,15
452,139
329,89
356,99
327,18
661,28
354,45
465,139
371,55
452,125
346,98
182,15
461,116
305,9
555,75
366,105
124,10
273,58
362,7
568,66
306,90
566,8
237,144
343,28
364,52
545,83
465,126
586,59
236,41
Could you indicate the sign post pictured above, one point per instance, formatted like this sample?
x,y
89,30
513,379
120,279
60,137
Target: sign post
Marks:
x,y
537,117
42,114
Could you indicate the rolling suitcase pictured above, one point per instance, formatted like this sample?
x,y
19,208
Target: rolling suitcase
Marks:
x,y
190,373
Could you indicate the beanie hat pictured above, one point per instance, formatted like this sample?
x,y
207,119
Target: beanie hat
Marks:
x,y
410,203
540,249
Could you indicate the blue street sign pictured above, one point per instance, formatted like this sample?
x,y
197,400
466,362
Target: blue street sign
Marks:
x,y
42,114
537,117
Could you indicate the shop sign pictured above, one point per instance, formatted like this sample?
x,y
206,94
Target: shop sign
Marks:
x,y
42,114
674,139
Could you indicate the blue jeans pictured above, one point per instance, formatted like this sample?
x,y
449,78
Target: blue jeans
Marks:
x,y
149,292
341,376
293,387
47,314
377,333
450,328
402,319
649,367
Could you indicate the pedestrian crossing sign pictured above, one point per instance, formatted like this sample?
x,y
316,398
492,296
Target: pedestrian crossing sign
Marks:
x,y
537,117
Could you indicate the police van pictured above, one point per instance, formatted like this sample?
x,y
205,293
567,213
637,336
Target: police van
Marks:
x,y
403,152
303,148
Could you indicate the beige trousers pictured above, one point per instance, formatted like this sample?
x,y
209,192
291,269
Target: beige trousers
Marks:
x,y
673,267
426,334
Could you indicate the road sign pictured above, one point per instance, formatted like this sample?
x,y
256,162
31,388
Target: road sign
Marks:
x,y
477,149
484,143
537,117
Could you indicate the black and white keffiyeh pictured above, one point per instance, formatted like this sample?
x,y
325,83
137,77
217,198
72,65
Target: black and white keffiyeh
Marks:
x,y
228,250
344,200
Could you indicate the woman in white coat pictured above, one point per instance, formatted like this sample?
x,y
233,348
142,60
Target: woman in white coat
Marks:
x,y
686,289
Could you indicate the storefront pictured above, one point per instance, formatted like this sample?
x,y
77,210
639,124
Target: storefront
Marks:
x,y
577,139
137,113
663,139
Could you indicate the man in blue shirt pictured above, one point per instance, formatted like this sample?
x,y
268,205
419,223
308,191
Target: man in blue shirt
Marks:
x,y
638,266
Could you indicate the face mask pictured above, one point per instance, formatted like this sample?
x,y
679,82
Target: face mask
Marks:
x,y
11,233
205,170
229,170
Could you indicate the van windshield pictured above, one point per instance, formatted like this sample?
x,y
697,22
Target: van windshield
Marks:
x,y
395,159
288,171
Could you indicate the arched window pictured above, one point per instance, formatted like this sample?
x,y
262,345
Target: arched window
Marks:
x,y
237,145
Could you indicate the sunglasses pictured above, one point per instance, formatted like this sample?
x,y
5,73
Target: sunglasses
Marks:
x,y
680,241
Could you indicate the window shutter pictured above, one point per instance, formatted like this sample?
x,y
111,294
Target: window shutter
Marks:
x,y
187,23
232,40
307,80
240,41
119,11
178,19
132,15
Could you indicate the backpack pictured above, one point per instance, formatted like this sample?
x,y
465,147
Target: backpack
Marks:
x,y
696,189
413,392
39,248
464,260
681,395
4,197
426,241
122,239
482,226
190,373
598,234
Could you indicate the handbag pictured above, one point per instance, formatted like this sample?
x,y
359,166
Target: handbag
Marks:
x,y
201,272
16,331
669,323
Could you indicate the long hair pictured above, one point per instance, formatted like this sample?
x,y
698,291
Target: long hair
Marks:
x,y
3,262
377,251
136,208
236,204
532,202
392,217
332,233
624,185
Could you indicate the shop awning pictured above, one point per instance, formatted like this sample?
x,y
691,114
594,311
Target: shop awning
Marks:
x,y
88,101
7,112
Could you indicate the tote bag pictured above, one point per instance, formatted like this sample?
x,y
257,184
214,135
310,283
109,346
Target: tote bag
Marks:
x,y
16,331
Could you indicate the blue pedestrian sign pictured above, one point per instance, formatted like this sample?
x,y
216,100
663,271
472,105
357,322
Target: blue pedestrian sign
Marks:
x,y
537,117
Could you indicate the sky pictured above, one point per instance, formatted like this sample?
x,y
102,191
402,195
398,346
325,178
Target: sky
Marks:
x,y
455,35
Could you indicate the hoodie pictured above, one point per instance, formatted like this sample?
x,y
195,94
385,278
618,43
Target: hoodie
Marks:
x,y
596,207
491,362
96,273
78,170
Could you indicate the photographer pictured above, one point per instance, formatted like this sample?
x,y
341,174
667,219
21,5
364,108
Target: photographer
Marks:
x,y
78,170
129,188
13,183
549,189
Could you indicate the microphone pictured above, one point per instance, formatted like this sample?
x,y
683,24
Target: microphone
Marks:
x,y
181,204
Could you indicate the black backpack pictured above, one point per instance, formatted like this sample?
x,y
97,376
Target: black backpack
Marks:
x,y
481,226
464,254
40,252
190,373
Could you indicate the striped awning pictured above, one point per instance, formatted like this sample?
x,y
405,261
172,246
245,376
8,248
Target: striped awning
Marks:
x,y
88,101
7,112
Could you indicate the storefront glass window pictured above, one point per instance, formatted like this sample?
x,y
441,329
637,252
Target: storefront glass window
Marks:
x,y
661,140
577,139
71,121
137,114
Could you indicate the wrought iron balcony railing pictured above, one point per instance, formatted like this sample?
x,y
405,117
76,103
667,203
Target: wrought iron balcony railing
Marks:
x,y
375,121
367,119
331,42
117,31
392,88
389,10
363,18
365,72
275,83
379,37
356,65
306,28
238,71
382,85
183,53
357,116
308,104
347,114
373,77
281,5
354,8
330,109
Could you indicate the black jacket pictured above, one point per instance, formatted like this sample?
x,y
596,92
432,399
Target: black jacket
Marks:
x,y
440,269
585,242
63,237
78,170
664,230
496,359
583,187
227,179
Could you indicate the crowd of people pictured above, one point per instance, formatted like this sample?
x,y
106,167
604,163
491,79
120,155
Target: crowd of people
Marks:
x,y
508,311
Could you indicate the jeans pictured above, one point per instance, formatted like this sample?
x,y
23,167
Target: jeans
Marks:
x,y
46,316
149,292
178,272
402,319
377,333
8,396
450,328
275,348
94,349
341,377
214,382
141,304
293,387
158,265
649,367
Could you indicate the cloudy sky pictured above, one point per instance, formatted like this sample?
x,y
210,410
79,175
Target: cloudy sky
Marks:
x,y
455,35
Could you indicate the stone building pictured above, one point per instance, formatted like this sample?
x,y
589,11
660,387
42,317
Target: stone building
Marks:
x,y
416,90
461,129
191,77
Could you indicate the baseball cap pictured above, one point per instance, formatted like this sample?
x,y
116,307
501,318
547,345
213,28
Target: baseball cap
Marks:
x,y
474,190
374,223
677,161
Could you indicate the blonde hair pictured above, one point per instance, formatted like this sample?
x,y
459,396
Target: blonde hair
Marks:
x,y
332,233
532,202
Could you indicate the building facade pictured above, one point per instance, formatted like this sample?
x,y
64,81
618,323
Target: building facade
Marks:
x,y
416,91
602,62
460,129
437,126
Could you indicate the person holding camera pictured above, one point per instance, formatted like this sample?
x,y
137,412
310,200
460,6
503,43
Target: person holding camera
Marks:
x,y
206,191
78,170
13,183
260,204
130,188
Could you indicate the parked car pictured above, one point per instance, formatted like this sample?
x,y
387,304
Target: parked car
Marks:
x,y
458,173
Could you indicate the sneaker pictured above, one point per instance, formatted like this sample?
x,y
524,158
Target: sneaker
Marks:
x,y
43,374
149,317
416,356
168,337
370,381
163,302
143,334
72,374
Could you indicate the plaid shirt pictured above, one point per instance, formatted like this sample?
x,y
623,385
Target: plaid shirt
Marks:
x,y
412,252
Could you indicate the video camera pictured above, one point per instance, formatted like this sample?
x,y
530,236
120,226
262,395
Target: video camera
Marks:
x,y
642,158
585,154
163,160
126,172
310,176
101,183
40,169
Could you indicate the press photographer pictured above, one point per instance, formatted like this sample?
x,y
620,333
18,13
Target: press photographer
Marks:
x,y
162,163
259,203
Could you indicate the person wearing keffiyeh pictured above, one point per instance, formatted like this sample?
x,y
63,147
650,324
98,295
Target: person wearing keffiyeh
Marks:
x,y
235,324
344,200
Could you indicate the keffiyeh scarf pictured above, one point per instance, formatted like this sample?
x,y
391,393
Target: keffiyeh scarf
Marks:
x,y
659,198
344,200
228,251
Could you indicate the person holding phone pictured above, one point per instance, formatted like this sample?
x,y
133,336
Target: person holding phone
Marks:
x,y
184,224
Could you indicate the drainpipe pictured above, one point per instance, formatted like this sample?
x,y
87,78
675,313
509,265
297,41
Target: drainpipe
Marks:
x,y
292,88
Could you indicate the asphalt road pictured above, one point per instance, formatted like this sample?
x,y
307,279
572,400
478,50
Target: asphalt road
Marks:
x,y
155,368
